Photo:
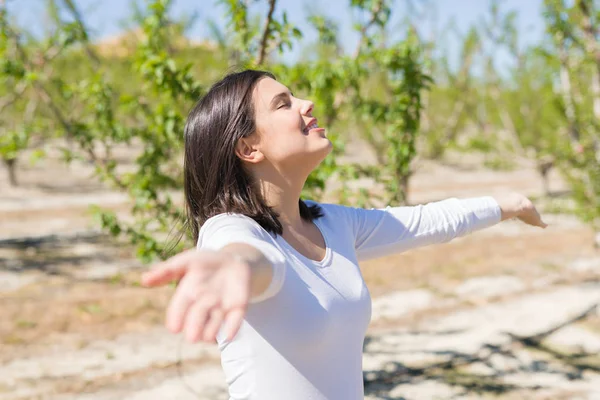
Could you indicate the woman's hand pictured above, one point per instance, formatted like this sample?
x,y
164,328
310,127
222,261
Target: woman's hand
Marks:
x,y
518,206
213,287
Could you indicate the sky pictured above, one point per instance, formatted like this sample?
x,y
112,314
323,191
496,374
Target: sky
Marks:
x,y
106,18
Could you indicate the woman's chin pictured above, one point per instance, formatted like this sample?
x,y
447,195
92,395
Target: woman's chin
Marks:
x,y
324,144
318,151
327,148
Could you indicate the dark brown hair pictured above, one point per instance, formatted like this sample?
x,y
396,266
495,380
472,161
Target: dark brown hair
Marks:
x,y
215,180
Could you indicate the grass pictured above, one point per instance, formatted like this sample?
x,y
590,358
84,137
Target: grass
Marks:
x,y
90,308
550,266
24,324
116,279
14,339
499,164
476,383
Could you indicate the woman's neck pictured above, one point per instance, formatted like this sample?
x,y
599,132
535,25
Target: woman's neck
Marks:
x,y
284,200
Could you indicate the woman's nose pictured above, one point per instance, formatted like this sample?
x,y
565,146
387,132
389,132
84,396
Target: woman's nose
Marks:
x,y
307,107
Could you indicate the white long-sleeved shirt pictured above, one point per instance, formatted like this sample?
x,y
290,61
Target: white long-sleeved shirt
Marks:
x,y
302,339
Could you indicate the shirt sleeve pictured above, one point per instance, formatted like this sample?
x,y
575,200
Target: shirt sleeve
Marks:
x,y
380,232
224,229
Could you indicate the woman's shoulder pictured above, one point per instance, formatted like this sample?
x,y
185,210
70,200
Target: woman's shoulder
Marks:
x,y
229,219
228,225
331,211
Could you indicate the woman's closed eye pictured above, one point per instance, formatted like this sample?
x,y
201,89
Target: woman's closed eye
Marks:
x,y
287,104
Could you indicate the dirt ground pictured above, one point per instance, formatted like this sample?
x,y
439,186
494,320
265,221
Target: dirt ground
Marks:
x,y
77,288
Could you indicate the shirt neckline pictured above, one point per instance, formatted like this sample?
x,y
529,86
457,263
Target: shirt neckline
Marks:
x,y
321,263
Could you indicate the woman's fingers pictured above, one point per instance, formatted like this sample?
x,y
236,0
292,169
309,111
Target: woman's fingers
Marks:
x,y
233,321
539,221
213,324
169,270
177,310
159,277
541,224
232,306
532,217
212,292
196,318
235,301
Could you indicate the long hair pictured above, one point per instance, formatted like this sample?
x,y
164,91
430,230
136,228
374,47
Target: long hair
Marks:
x,y
215,181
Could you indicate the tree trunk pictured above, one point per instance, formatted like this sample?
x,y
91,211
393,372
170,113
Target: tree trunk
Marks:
x,y
544,166
452,123
404,184
11,166
510,130
592,46
400,198
567,95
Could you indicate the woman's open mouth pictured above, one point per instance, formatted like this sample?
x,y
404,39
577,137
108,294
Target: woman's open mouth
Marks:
x,y
311,126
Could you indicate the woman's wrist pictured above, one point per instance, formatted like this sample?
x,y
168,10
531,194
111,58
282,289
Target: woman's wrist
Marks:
x,y
261,270
511,205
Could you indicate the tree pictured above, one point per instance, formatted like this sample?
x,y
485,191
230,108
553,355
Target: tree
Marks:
x,y
388,99
574,28
140,100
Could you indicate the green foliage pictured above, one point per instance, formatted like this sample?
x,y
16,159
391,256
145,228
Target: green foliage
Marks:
x,y
249,45
17,125
379,92
392,113
583,174
575,47
12,143
545,105
320,82
398,113
453,99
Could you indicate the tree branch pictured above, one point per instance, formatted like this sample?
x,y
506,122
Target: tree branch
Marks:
x,y
79,20
47,98
264,41
593,47
14,96
363,31
567,92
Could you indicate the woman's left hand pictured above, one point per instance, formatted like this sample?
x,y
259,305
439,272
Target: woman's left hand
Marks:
x,y
518,206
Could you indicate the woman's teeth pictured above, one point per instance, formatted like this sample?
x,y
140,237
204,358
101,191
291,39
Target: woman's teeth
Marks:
x,y
312,126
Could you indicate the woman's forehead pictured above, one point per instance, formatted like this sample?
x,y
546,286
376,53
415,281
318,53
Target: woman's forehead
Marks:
x,y
266,89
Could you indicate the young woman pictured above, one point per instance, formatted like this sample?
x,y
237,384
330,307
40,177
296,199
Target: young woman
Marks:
x,y
281,274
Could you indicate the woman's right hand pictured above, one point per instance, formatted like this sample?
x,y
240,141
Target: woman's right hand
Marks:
x,y
214,288
516,205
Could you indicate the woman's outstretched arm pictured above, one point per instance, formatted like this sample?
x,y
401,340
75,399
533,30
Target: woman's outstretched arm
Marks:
x,y
234,265
215,287
380,232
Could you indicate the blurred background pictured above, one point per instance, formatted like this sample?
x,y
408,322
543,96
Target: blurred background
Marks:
x,y
423,100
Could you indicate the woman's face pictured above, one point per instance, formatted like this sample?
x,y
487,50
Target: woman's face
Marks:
x,y
288,134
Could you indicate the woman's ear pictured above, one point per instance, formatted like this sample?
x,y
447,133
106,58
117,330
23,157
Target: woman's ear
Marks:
x,y
247,150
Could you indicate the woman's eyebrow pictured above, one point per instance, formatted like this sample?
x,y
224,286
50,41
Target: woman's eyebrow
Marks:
x,y
279,97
